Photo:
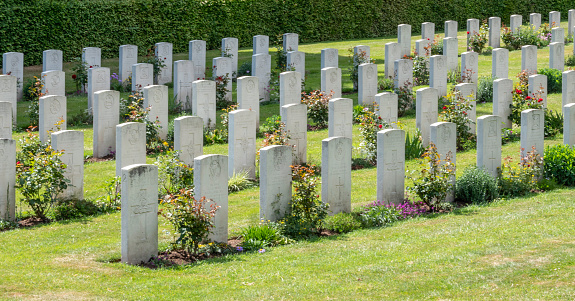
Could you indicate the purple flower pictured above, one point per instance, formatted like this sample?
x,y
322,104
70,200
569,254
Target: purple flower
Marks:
x,y
261,250
239,249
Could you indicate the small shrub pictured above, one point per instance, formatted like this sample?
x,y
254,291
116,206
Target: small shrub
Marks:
x,y
521,178
554,79
239,181
475,186
80,74
547,184
356,60
378,214
386,84
510,135
66,210
421,70
369,125
263,235
245,69
117,84
485,89
437,46
478,40
341,223
560,164
111,200
272,124
157,62
521,100
456,111
526,35
173,174
413,145
553,123
317,106
278,137
570,60
33,92
405,98
222,92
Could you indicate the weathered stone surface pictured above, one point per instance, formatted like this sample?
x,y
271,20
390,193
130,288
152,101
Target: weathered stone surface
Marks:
x,y
106,117
340,117
130,145
189,138
211,182
52,112
7,179
489,143
336,174
391,166
275,181
242,143
426,111
71,143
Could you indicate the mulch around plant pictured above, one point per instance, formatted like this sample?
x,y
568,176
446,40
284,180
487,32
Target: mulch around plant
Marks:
x,y
93,159
30,222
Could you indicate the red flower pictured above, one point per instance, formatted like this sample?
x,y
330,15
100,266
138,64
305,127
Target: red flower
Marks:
x,y
468,32
540,100
464,112
518,91
379,117
90,66
444,107
380,126
428,39
528,97
73,76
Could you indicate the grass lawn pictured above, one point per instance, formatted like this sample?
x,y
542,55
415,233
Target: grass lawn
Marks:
x,y
511,249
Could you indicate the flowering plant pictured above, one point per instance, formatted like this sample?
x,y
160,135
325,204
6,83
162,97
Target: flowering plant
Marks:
x,y
369,124
478,40
522,100
456,111
521,178
357,59
317,106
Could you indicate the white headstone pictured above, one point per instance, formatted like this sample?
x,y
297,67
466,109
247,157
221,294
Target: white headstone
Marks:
x,y
106,115
515,21
470,66
331,81
296,62
242,143
392,54
569,124
290,88
13,64
469,91
261,44
568,87
183,78
204,101
438,74
329,58
388,106
403,70
570,21
535,21
7,179
261,68
275,181
54,83
554,19
426,112
502,99
500,63
391,166
294,116
5,120
450,52
290,41
494,32
404,38
92,56
128,57
248,95
557,56
98,80
362,50
444,136
538,87
230,49
367,84
156,99
189,138
336,174
472,29
532,131
558,35
52,60
489,143
529,59
8,92
451,29
130,145
139,213
163,52
197,54
211,182
52,111
142,76
71,143
423,47
340,117
222,67
428,31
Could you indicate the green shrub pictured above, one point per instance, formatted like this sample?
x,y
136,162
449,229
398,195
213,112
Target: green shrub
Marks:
x,y
516,179
262,236
478,40
173,174
413,145
65,210
485,89
317,106
560,164
554,79
437,46
245,69
456,111
271,124
378,215
111,200
570,61
553,123
341,223
476,186
239,182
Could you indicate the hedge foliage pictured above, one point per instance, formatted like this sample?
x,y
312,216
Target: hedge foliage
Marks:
x,y
32,26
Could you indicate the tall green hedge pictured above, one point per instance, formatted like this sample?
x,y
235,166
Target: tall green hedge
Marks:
x,y
32,26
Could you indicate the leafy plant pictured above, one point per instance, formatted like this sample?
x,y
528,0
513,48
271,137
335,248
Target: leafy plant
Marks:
x,y
173,174
317,106
239,181
111,199
478,40
413,145
521,100
341,223
245,69
526,35
80,75
70,209
475,186
278,137
560,164
456,111
510,135
158,63
386,84
33,92
420,70
222,100
570,60
117,84
553,123
263,235
437,46
271,124
134,111
377,214
521,178
554,79
405,98
369,124
357,59
485,89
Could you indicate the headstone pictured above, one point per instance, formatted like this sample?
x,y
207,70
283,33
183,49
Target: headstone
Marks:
x,y
444,136
554,19
451,29
391,166
558,35
294,116
568,87
296,62
290,42
535,21
204,101
388,106
469,91
183,78
5,120
538,87
331,81
261,68
52,60
532,131
189,138
156,99
163,52
130,145
142,76
248,95
489,143
139,213
98,80
261,44
106,115
230,49
8,92
13,64
340,117
438,74
54,83
197,55
426,111
529,59
515,21
500,63
329,58
128,58
336,174
275,181
557,56
211,182
450,52
427,31
223,67
92,56
71,143
363,51
403,70
502,99
392,54
494,32
404,39
570,21
569,124
52,112
367,84
7,179
290,88
423,48
470,66
242,143
472,29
